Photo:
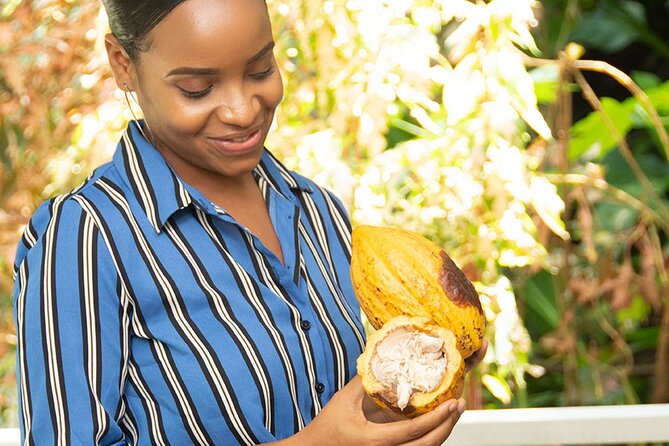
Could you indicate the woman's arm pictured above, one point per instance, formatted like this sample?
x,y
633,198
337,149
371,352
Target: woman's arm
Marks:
x,y
71,331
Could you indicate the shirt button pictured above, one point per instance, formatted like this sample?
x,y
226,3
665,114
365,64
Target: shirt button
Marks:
x,y
306,325
320,388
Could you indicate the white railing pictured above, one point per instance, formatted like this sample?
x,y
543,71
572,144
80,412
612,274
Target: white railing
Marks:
x,y
9,437
641,423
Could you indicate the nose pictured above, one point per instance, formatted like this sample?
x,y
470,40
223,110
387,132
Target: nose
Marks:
x,y
238,107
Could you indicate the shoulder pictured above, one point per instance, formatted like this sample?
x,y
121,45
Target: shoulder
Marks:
x,y
67,205
61,211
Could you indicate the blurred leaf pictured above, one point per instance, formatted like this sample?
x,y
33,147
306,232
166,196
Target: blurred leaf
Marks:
x,y
548,205
498,387
630,317
590,137
543,315
545,83
644,338
658,95
9,7
611,27
646,80
410,129
615,217
619,174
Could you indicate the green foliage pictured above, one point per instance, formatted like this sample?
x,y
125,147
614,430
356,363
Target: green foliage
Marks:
x,y
608,26
592,139
546,83
618,23
541,312
619,175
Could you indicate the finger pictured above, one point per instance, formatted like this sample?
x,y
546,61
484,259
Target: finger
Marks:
x,y
376,414
438,435
405,431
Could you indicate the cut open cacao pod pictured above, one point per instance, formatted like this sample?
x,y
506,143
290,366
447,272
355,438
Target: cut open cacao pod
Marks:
x,y
410,366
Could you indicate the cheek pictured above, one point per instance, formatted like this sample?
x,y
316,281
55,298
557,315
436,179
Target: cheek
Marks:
x,y
180,119
274,93
172,118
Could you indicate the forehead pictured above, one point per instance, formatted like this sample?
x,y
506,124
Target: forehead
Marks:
x,y
209,33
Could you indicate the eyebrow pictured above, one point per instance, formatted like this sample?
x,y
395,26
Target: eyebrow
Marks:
x,y
214,71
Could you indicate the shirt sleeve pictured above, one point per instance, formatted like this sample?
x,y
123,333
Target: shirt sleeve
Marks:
x,y
72,331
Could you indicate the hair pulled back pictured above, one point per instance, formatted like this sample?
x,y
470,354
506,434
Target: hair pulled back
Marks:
x,y
132,20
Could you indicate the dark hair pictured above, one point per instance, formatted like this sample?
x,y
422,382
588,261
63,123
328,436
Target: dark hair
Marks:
x,y
132,20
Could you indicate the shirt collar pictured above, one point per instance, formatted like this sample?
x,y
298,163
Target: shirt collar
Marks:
x,y
159,190
283,180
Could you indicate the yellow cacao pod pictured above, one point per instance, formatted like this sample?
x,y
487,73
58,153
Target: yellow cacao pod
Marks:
x,y
398,272
422,305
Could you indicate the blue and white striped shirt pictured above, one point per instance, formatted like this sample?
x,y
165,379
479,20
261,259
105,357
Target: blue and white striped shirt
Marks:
x,y
146,315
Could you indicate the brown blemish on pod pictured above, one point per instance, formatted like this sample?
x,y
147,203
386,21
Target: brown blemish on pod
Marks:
x,y
456,285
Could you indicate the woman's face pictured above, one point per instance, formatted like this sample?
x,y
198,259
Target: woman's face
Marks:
x,y
208,86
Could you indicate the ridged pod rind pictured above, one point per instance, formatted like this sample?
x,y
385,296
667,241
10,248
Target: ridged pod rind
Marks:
x,y
451,385
397,272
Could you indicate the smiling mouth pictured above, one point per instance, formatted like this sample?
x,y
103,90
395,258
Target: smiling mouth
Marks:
x,y
236,138
242,139
239,144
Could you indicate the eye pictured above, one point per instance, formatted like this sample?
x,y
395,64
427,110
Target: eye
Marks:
x,y
195,94
262,74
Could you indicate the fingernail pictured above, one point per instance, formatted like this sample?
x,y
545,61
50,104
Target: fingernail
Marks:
x,y
461,405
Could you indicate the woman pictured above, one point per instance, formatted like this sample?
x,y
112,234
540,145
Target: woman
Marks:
x,y
193,290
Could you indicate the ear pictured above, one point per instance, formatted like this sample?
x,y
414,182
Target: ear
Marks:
x,y
121,64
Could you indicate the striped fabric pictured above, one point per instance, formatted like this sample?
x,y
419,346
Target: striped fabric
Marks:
x,y
146,315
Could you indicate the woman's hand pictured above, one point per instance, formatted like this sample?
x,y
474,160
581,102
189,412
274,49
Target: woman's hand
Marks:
x,y
351,418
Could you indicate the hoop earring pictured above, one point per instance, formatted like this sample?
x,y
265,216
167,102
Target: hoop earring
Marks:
x,y
127,93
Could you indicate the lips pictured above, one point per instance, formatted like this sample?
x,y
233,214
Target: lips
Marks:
x,y
238,144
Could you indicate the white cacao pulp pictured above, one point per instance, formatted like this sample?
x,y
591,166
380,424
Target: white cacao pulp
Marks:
x,y
409,361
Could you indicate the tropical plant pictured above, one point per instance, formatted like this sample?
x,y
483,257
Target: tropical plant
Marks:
x,y
603,322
